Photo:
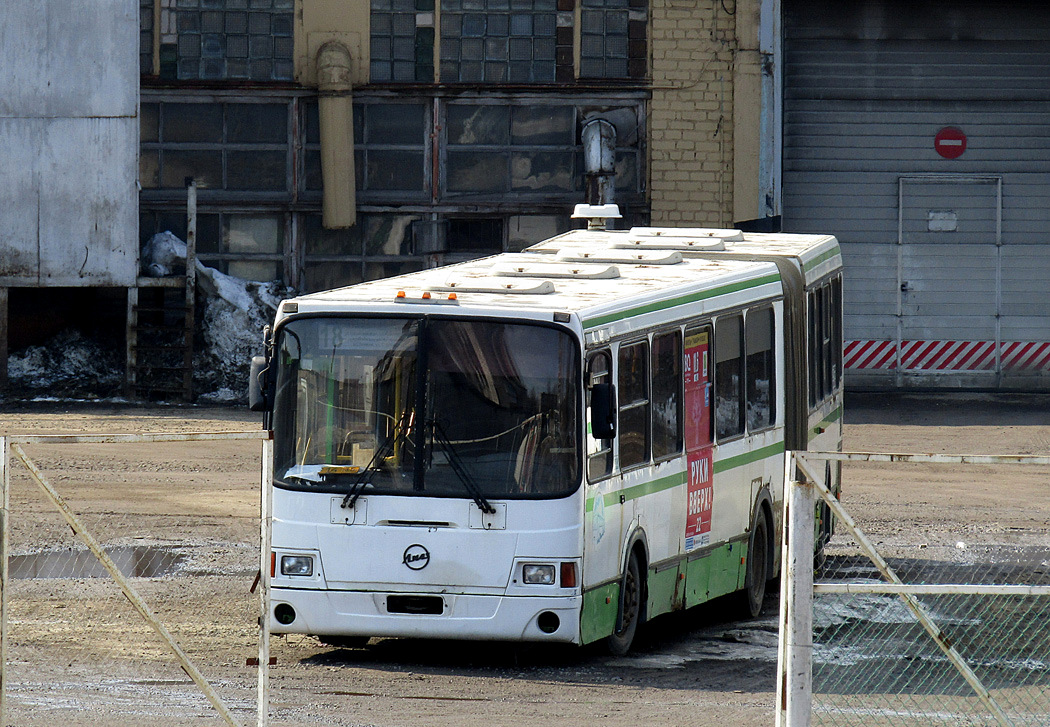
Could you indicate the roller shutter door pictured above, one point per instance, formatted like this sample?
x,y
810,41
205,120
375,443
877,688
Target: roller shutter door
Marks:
x,y
947,280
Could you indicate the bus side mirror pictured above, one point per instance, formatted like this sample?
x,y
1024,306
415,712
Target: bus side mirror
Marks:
x,y
260,388
603,411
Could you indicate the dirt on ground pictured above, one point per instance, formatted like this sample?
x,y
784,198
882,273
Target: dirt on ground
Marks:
x,y
201,501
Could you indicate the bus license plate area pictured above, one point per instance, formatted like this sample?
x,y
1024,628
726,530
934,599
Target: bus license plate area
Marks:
x,y
416,605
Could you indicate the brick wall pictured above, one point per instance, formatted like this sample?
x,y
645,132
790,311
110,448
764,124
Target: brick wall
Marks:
x,y
691,116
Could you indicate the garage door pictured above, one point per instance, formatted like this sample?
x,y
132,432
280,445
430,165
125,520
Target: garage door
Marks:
x,y
919,134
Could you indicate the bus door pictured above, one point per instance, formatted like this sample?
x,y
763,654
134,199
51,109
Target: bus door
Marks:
x,y
732,488
760,395
603,521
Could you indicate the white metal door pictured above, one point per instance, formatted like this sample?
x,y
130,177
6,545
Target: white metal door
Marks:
x,y
949,233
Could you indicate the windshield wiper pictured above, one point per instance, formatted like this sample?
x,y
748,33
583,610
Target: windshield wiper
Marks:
x,y
362,479
461,472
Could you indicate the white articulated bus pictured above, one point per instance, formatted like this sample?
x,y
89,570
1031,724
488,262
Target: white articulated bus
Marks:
x,y
552,445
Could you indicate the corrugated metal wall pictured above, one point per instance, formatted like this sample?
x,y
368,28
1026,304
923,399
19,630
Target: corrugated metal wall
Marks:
x,y
947,260
69,143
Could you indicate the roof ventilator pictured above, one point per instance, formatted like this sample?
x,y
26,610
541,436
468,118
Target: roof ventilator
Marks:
x,y
579,271
622,257
596,214
498,285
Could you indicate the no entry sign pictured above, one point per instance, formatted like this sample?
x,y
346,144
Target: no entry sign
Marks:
x,y
950,142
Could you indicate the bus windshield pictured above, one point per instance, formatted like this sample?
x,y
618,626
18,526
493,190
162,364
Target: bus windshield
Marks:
x,y
426,406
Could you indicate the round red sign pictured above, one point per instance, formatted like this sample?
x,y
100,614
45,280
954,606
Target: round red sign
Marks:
x,y
950,142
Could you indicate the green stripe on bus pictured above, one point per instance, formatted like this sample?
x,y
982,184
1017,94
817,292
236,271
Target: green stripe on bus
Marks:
x,y
681,300
831,418
740,460
822,258
671,481
646,488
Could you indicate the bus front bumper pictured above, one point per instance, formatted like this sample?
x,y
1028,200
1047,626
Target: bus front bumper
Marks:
x,y
441,616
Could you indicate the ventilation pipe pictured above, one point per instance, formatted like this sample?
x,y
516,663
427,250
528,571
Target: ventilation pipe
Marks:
x,y
599,161
336,115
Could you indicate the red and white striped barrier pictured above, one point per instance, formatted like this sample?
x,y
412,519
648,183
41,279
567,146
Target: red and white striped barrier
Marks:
x,y
946,355
870,355
1032,356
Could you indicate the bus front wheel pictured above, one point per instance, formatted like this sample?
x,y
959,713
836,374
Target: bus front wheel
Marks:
x,y
619,643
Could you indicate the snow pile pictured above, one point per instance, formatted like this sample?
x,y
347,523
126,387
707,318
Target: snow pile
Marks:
x,y
230,316
164,254
68,365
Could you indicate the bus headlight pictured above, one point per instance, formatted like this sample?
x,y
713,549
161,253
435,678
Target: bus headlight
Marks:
x,y
538,574
297,565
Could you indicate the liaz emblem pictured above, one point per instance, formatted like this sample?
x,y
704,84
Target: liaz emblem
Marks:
x,y
416,557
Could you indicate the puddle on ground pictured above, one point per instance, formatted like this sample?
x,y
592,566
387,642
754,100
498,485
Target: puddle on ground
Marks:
x,y
134,561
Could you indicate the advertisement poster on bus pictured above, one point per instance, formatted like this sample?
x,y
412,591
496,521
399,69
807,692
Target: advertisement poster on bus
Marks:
x,y
698,440
700,500
697,391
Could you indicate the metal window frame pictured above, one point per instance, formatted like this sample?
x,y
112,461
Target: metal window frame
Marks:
x,y
291,149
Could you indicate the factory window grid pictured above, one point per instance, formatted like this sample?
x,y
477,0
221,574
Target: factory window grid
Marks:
x,y
512,42
241,153
413,212
235,146
498,41
487,149
613,39
257,162
402,41
217,40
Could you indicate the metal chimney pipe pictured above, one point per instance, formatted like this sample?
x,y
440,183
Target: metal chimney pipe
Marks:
x,y
599,161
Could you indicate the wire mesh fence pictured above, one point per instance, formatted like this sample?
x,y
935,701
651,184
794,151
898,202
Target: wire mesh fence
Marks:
x,y
944,622
77,648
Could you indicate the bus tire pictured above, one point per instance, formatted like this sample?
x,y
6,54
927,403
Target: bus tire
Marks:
x,y
823,536
619,643
757,573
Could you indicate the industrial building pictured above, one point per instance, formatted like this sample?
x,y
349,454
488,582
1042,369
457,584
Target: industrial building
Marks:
x,y
335,141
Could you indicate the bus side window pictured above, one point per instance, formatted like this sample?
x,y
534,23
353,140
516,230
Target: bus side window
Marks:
x,y
813,336
836,332
761,392
667,394
633,392
816,335
599,451
826,357
729,377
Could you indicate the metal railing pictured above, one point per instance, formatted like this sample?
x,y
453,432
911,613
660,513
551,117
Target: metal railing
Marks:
x,y
878,640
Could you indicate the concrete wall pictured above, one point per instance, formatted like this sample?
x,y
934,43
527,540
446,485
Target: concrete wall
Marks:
x,y
69,143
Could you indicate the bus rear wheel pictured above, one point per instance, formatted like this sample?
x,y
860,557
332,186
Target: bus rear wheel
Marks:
x,y
757,574
619,643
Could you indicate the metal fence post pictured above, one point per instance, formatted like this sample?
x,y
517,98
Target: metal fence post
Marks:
x,y
795,685
265,516
5,500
